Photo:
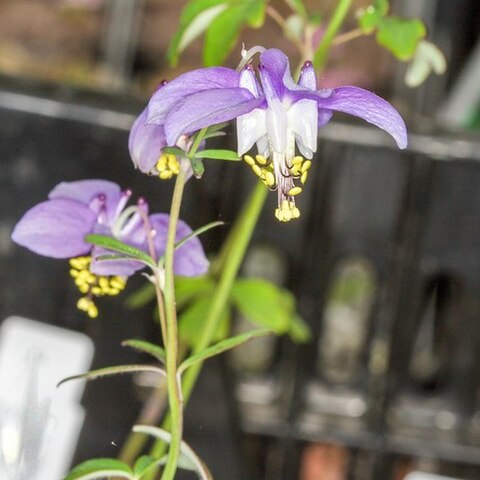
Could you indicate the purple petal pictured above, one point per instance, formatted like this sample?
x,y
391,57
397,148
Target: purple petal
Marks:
x,y
275,73
190,259
198,80
324,116
308,78
56,228
99,195
364,104
207,108
145,143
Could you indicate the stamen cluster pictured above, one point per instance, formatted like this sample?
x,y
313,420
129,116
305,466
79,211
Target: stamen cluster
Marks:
x,y
264,169
93,285
167,166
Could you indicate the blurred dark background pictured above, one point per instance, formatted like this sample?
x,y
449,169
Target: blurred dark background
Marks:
x,y
385,261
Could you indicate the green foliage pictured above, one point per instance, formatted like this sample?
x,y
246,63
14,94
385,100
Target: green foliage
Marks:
x,y
116,370
146,347
188,288
100,468
369,18
188,460
218,154
400,36
268,306
111,243
192,318
145,464
221,20
221,347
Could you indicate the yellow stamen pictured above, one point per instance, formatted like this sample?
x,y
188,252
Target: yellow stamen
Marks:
x,y
249,160
297,160
167,166
92,285
261,159
306,165
257,170
270,179
303,178
295,191
287,211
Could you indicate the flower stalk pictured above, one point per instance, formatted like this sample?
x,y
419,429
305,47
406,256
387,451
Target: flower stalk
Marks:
x,y
321,55
174,390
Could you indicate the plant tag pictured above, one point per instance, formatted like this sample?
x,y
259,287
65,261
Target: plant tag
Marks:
x,y
39,423
427,476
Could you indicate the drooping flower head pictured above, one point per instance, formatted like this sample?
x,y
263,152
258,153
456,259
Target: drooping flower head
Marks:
x,y
273,111
57,228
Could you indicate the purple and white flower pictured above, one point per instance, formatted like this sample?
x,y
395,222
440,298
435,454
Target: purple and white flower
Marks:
x,y
272,111
57,228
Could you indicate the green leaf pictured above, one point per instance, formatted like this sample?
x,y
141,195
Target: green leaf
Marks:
x,y
255,13
222,34
100,468
110,243
400,36
299,7
117,370
145,464
369,18
195,18
192,318
221,347
197,166
155,351
198,232
178,152
299,330
189,460
141,297
187,288
218,155
263,303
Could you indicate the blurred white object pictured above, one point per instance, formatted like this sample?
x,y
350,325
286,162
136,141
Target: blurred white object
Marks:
x,y
427,476
39,423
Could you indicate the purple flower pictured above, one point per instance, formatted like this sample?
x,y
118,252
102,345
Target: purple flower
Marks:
x,y
57,228
272,111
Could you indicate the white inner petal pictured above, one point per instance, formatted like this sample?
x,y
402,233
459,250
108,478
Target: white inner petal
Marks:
x,y
303,121
277,123
250,128
263,146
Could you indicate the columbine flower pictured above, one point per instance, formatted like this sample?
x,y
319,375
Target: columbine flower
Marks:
x,y
57,228
272,111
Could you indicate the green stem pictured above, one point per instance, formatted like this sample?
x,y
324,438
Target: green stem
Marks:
x,y
237,247
336,22
174,388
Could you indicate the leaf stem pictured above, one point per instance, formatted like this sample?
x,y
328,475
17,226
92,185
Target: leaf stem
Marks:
x,y
237,242
174,388
334,25
348,36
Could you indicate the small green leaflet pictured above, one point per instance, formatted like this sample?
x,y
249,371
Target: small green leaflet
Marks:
x,y
221,347
298,6
116,370
226,27
110,243
195,18
145,464
198,232
174,151
155,351
189,460
187,288
369,18
100,468
400,36
218,155
197,166
192,319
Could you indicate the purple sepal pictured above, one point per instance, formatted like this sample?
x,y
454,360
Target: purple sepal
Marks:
x,y
56,228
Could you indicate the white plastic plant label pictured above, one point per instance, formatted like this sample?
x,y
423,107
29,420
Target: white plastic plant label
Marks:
x,y
39,423
427,476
